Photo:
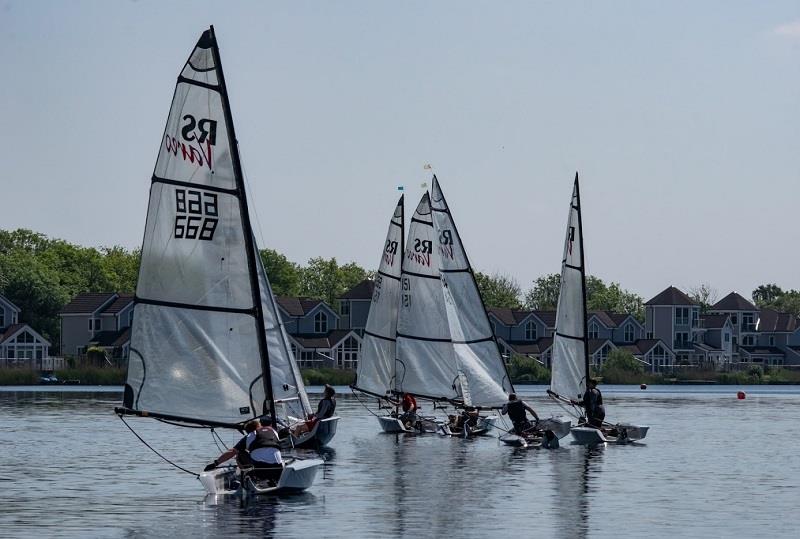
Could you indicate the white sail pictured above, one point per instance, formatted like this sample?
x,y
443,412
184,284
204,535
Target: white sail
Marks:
x,y
426,364
194,342
569,363
376,368
477,356
288,389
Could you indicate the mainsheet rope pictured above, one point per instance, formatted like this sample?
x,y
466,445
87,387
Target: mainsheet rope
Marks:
x,y
156,452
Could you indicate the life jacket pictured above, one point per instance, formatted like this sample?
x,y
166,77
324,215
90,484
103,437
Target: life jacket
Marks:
x,y
516,411
330,409
264,438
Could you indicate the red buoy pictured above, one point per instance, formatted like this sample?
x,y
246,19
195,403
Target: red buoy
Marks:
x,y
643,386
740,395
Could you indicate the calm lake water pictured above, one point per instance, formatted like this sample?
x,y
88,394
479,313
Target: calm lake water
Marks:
x,y
712,466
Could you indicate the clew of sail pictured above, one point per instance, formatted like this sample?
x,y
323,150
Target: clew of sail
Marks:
x,y
478,358
376,369
570,363
426,364
195,342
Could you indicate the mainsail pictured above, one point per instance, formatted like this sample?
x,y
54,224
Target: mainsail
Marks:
x,y
484,378
426,363
570,360
198,342
376,369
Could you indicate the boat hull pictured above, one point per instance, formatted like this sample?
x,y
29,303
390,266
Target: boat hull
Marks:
x,y
558,426
622,433
392,425
320,434
297,476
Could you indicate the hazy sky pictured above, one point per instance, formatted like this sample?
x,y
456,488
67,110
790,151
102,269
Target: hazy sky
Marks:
x,y
683,119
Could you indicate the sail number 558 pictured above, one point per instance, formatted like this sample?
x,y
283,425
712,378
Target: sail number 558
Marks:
x,y
196,214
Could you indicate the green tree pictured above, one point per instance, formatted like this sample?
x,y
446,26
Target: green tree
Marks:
x,y
350,275
765,294
120,268
705,295
284,275
499,290
544,293
621,360
788,302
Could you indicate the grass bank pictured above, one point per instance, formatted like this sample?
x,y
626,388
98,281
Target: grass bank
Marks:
x,y
334,377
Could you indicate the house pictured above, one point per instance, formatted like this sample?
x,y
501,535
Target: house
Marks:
x,y
20,344
315,336
744,317
715,340
97,319
674,318
775,332
530,334
354,305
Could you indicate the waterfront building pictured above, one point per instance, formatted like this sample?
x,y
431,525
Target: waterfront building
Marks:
x,y
21,346
97,320
354,305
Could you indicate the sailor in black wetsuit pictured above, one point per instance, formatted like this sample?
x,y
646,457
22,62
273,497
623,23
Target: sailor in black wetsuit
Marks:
x,y
593,404
327,406
516,410
259,448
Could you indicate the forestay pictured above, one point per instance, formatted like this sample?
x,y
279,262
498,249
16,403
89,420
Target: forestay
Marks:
x,y
376,369
485,379
426,364
570,362
195,337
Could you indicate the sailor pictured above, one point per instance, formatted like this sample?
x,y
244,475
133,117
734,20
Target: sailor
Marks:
x,y
327,406
259,448
593,404
516,410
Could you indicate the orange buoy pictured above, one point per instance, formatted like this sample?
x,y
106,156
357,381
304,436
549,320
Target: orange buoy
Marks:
x,y
643,386
741,395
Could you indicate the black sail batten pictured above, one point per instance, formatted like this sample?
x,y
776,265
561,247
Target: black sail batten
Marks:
x,y
585,314
192,306
493,337
249,237
198,187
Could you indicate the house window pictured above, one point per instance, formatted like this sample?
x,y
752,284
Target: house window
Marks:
x,y
130,318
727,337
747,340
681,316
347,354
695,315
11,352
681,339
649,334
771,340
748,322
2,318
320,323
594,331
344,308
734,319
530,331
629,333
94,324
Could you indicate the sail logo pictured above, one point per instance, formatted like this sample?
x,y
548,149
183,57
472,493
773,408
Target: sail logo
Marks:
x,y
446,243
389,252
198,136
570,239
421,253
196,214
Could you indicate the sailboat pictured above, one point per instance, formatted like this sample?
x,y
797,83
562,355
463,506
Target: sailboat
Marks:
x,y
207,348
570,358
445,350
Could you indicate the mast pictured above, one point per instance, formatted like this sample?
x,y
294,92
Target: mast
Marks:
x,y
583,278
248,232
474,282
402,261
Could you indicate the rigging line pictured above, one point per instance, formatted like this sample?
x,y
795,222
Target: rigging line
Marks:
x,y
215,442
215,433
355,394
251,196
197,475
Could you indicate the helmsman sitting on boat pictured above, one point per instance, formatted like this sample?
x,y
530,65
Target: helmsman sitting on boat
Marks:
x,y
593,404
516,410
259,448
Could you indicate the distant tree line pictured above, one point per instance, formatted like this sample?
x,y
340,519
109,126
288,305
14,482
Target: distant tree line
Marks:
x,y
41,275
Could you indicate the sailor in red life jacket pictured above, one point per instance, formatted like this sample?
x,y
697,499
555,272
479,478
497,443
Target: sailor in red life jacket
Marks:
x,y
259,448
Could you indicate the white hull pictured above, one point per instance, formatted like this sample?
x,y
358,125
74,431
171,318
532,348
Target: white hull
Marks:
x,y
559,426
393,425
297,475
622,433
484,426
322,433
